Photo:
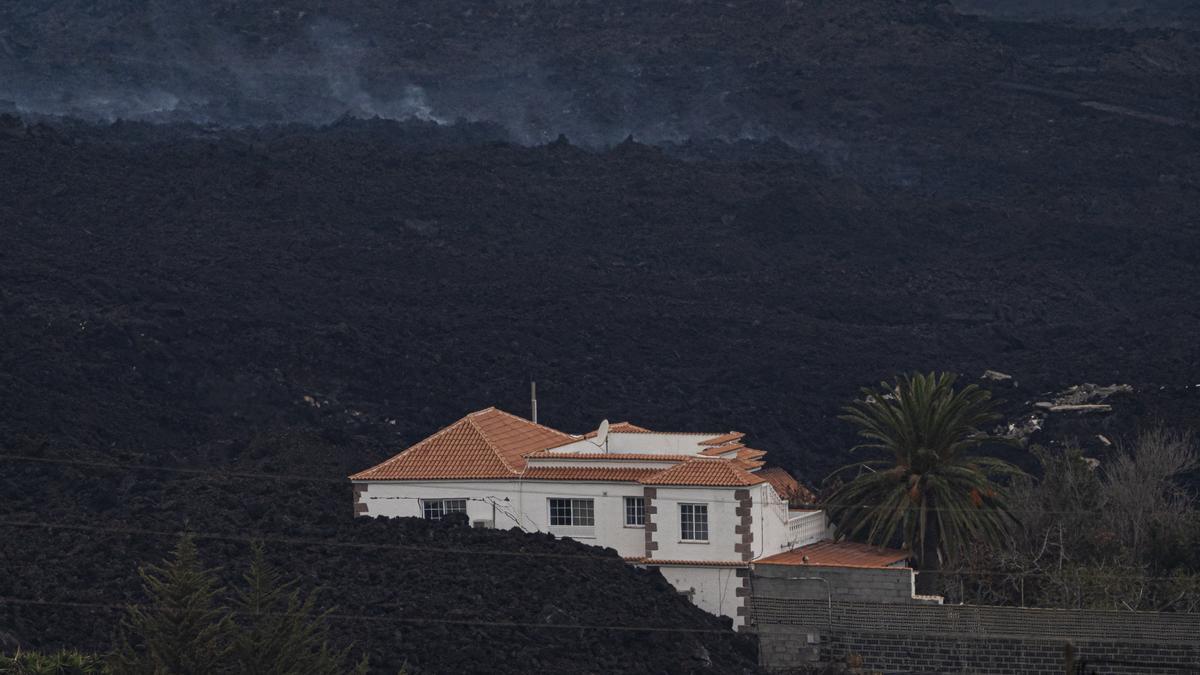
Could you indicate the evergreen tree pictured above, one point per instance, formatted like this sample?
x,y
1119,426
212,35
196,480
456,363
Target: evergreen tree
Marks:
x,y
283,632
182,630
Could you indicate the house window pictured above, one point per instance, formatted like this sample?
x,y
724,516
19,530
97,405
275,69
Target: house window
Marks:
x,y
436,509
572,513
635,511
693,522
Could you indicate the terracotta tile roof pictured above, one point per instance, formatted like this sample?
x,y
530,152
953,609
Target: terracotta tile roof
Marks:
x,y
705,472
607,456
698,563
750,453
621,428
587,473
489,443
838,554
724,438
747,464
786,486
721,449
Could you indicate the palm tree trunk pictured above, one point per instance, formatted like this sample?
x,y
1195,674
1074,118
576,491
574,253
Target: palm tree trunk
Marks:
x,y
929,565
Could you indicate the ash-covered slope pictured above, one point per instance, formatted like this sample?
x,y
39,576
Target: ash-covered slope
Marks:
x,y
947,193
181,289
405,592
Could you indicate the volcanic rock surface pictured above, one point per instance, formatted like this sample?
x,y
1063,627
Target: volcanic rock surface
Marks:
x,y
817,195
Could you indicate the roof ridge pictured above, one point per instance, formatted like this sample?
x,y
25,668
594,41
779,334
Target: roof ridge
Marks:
x,y
528,421
423,442
492,446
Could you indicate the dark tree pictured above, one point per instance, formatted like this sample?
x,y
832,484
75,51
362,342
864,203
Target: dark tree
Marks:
x,y
182,630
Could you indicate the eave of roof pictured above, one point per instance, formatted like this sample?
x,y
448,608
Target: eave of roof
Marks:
x,y
687,563
718,450
724,438
587,473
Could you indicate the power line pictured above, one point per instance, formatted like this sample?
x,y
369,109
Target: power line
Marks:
x,y
299,541
491,491
400,619
333,543
184,470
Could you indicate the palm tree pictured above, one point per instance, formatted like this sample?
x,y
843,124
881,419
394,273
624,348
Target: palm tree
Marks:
x,y
934,494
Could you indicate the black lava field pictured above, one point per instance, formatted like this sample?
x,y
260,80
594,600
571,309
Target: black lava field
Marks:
x,y
213,313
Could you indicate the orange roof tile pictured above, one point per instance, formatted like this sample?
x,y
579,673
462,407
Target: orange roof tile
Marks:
x,y
607,456
724,438
621,428
747,464
721,449
838,554
785,485
489,443
597,473
706,473
750,453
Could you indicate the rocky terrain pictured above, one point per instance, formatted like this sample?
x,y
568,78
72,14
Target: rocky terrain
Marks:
x,y
816,195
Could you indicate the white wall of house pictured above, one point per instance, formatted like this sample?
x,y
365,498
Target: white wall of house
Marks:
x,y
526,501
770,521
713,589
526,504
657,443
722,519
647,443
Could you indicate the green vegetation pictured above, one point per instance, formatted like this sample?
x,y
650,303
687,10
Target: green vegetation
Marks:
x,y
182,629
1118,533
283,631
65,662
185,629
933,493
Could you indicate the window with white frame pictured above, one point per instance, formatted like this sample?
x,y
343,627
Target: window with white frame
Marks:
x,y
436,509
572,513
635,511
693,522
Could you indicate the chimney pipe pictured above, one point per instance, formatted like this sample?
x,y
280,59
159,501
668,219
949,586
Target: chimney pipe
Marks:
x,y
533,398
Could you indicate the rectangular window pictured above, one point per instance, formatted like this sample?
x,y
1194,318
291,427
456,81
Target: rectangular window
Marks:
x,y
635,511
693,522
436,509
572,513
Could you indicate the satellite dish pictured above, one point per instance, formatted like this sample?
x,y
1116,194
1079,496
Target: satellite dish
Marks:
x,y
602,435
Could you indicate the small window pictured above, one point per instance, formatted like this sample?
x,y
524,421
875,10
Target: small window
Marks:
x,y
572,513
436,509
693,522
635,511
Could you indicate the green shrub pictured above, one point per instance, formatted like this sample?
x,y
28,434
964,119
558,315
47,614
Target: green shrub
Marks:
x,y
66,662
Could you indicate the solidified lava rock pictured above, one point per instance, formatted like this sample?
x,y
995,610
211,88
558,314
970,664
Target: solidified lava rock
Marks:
x,y
840,190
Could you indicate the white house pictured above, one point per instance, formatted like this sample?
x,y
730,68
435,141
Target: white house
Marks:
x,y
701,507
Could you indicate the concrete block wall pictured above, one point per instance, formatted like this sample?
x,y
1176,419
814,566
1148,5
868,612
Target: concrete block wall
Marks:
x,y
796,631
1003,656
890,584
